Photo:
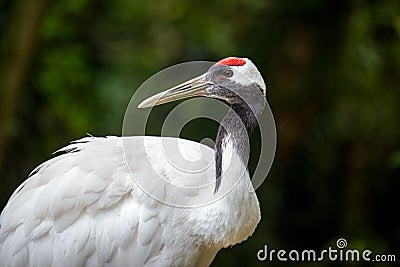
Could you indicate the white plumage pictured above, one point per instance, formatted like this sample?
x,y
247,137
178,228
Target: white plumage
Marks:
x,y
83,208
103,201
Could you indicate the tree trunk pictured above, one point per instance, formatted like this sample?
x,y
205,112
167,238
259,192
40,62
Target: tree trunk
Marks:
x,y
20,43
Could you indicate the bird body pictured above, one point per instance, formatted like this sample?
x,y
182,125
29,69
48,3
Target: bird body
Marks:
x,y
123,201
92,213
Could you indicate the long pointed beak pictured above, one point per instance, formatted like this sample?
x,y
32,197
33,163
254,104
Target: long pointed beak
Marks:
x,y
191,88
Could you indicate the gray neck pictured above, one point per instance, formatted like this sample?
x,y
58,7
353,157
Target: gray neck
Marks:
x,y
237,125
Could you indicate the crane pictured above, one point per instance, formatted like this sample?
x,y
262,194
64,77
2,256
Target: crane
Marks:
x,y
82,208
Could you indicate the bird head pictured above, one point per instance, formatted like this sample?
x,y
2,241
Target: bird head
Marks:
x,y
232,79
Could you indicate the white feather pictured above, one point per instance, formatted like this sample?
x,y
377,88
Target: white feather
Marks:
x,y
43,228
85,208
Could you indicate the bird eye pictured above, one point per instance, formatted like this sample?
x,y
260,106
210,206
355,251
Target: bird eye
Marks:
x,y
228,73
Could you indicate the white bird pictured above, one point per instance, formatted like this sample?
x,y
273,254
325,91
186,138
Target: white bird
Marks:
x,y
107,201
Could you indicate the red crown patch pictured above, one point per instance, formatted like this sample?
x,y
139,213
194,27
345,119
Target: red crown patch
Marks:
x,y
232,61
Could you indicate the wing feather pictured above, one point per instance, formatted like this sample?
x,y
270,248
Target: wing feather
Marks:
x,y
66,219
40,254
147,230
42,229
20,241
83,208
21,258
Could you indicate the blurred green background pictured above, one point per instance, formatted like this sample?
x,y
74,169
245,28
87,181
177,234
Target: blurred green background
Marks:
x,y
69,67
